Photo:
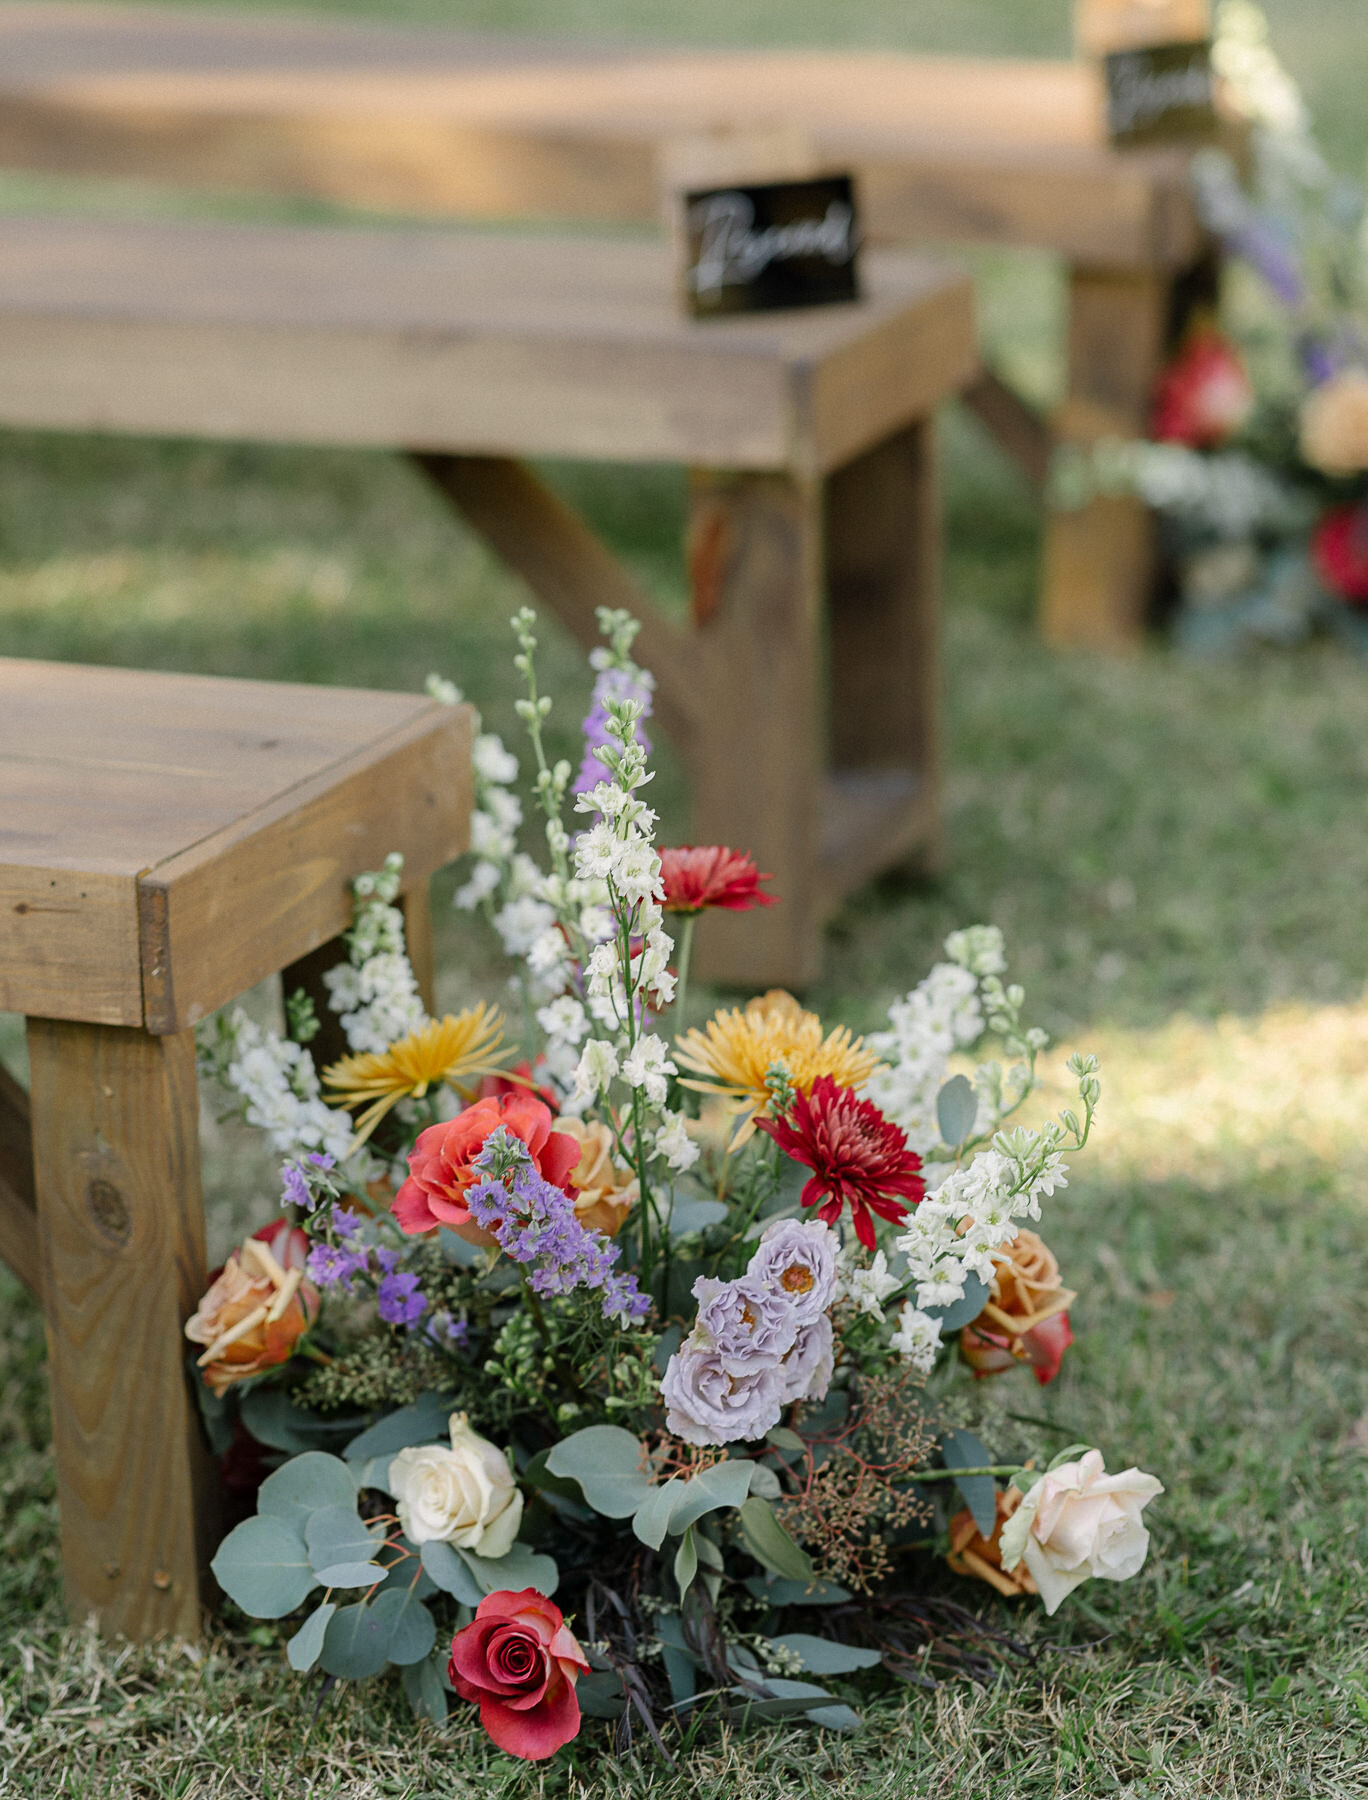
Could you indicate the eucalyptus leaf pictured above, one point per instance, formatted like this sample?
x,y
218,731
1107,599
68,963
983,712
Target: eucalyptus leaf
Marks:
x,y
686,1562
449,1571
765,1482
666,1344
306,1483
724,1484
966,1309
688,1214
784,1439
274,1419
356,1643
263,1565
335,1535
537,1475
822,1656
956,1110
600,1696
651,1519
306,1645
521,1568
786,1699
607,1462
962,1450
426,1691
458,1251
404,1567
351,1575
834,1718
411,1627
422,1423
767,1541
373,1471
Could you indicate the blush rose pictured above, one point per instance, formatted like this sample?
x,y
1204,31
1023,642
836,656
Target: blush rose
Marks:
x,y
1077,1522
520,1662
441,1162
465,1495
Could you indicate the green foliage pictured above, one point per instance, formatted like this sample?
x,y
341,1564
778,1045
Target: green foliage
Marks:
x,y
769,1543
607,1462
962,1450
264,1566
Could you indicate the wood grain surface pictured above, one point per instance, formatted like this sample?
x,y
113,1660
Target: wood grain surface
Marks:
x,y
18,1203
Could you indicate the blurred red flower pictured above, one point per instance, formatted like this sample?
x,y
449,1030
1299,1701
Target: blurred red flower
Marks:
x,y
1339,549
699,876
858,1157
1204,395
1043,1346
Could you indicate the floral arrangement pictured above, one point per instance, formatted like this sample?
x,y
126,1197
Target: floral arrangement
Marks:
x,y
1257,455
619,1372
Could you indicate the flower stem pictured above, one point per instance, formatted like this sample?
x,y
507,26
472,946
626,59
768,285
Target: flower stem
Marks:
x,y
686,938
955,1474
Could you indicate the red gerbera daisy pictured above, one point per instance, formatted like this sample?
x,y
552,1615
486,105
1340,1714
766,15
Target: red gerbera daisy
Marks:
x,y
699,876
857,1156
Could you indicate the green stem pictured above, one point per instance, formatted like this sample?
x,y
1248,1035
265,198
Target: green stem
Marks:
x,y
565,1375
955,1474
686,938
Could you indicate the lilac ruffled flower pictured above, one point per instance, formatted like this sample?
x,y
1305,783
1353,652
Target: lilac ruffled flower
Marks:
x,y
707,1405
400,1301
808,1366
610,684
747,1325
797,1259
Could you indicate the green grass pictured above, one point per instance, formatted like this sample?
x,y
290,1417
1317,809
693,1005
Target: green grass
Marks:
x,y
1177,853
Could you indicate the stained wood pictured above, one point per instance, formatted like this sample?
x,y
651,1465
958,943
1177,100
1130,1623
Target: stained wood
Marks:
x,y
873,820
526,344
18,1205
120,1226
459,124
1017,426
68,940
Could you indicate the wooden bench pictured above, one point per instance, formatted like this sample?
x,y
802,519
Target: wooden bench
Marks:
x,y
809,434
990,151
166,842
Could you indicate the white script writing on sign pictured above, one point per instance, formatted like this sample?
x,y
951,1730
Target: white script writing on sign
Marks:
x,y
731,249
1141,95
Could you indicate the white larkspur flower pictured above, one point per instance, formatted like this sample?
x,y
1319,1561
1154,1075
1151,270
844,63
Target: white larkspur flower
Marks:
x,y
564,1020
673,1142
647,1066
918,1338
482,885
870,1287
493,763
597,1066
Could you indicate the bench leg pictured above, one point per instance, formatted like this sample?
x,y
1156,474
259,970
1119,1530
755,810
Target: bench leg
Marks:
x,y
755,763
121,1235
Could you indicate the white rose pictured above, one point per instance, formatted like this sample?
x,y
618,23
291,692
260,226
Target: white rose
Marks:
x,y
1079,1521
465,1496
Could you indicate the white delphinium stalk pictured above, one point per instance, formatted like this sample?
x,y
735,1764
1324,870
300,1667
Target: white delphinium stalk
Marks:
x,y
375,992
917,1338
276,1079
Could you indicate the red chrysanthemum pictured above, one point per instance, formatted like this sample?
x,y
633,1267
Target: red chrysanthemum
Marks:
x,y
858,1157
1204,395
699,876
1339,549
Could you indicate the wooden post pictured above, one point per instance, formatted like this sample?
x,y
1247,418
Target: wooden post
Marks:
x,y
121,1232
416,906
18,1208
754,767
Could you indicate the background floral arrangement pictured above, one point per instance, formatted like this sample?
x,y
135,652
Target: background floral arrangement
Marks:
x,y
1257,459
620,1373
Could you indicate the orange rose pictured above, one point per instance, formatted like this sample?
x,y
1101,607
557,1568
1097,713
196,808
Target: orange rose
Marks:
x,y
603,1191
1026,1318
973,1554
257,1309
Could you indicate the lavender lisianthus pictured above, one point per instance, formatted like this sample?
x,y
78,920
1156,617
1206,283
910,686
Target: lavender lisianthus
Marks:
x,y
749,1326
610,684
808,1366
706,1405
797,1259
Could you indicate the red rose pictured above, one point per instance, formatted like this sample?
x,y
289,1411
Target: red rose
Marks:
x,y
1339,548
1204,396
440,1163
518,1659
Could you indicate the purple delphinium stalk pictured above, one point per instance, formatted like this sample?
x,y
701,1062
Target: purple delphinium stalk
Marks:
x,y
610,684
534,1224
330,1265
399,1299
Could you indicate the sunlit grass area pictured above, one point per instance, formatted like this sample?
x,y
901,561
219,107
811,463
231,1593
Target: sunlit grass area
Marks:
x,y
1176,851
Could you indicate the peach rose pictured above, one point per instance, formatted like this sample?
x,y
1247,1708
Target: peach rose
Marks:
x,y
1026,1316
973,1554
257,1309
604,1192
1334,424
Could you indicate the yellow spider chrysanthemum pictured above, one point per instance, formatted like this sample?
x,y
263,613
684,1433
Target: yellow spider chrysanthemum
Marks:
x,y
452,1049
736,1049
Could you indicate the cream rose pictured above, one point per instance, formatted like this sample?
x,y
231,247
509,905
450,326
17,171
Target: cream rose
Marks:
x,y
1079,1521
465,1496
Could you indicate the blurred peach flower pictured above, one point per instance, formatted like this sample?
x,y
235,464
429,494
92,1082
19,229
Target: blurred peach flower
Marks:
x,y
603,1191
973,1554
257,1308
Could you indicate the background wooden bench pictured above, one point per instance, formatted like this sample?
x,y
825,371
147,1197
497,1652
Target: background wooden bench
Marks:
x,y
169,841
808,433
988,151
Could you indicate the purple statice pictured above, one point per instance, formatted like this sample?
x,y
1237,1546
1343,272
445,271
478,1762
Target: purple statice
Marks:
x,y
534,1224
332,1265
449,1333
610,684
1267,251
707,1405
748,1326
295,1184
797,1258
305,1183
399,1298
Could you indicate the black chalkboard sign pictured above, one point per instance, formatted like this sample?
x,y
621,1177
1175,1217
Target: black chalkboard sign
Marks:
x,y
762,248
1160,93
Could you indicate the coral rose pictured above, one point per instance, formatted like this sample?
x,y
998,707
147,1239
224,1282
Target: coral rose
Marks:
x,y
1334,424
1204,395
441,1162
604,1192
1077,1522
257,1308
464,1496
1025,1318
973,1554
518,1659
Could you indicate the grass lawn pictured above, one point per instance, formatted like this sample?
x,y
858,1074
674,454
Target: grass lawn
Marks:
x,y
1177,854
